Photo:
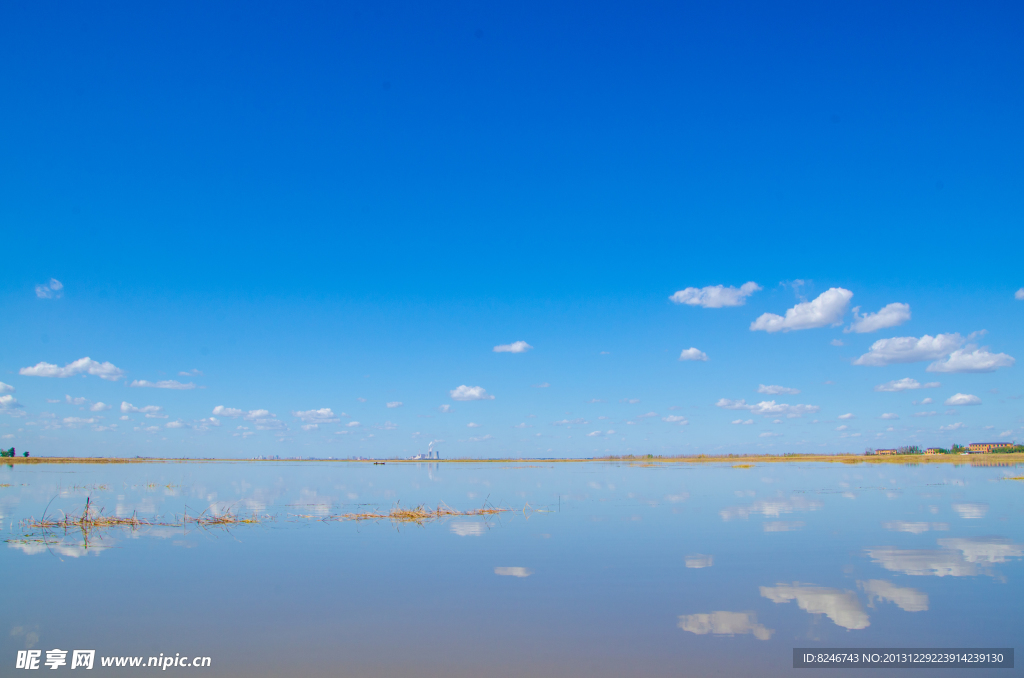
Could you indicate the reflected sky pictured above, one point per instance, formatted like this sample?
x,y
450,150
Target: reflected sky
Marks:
x,y
597,569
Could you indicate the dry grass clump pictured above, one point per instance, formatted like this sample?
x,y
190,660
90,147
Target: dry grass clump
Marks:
x,y
91,519
420,514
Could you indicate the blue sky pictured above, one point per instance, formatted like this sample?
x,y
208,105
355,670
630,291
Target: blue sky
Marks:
x,y
327,208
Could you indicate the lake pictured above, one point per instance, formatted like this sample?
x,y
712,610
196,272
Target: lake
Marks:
x,y
597,568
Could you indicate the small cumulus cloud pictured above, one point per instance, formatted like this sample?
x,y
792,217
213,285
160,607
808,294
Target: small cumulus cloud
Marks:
x,y
978,360
166,383
743,422
514,347
716,296
769,434
848,415
889,415
8,402
837,342
444,408
693,354
542,385
1019,294
324,415
768,407
470,393
394,403
84,365
906,384
472,424
99,407
50,290
176,424
910,349
952,427
127,407
827,309
890,316
675,419
6,388
842,428
963,399
512,572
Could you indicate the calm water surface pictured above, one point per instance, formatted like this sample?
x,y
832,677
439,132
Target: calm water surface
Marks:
x,y
602,569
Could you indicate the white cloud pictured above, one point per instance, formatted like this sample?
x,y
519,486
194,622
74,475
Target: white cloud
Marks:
x,y
176,424
544,385
444,408
910,349
478,439
8,402
75,401
352,424
769,434
1006,434
191,372
979,360
675,419
889,415
569,422
740,421
693,354
127,407
472,424
221,411
827,309
907,599
890,316
768,407
310,427
1019,294
952,427
50,290
263,419
699,561
963,399
512,572
724,623
842,428
99,407
76,421
848,415
716,296
984,549
470,393
777,390
324,415
522,425
395,403
84,365
837,342
842,607
514,347
166,383
6,388
905,384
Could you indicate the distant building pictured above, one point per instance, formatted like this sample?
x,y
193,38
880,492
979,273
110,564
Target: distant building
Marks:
x,y
891,451
987,447
933,450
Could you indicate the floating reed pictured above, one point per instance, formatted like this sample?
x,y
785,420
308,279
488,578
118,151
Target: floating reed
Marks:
x,y
420,514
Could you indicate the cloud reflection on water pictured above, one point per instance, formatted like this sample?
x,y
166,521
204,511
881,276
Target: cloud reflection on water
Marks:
x,y
908,599
842,607
959,556
724,623
699,560
770,508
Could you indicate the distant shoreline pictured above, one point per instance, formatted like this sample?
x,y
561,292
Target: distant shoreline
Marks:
x,y
740,460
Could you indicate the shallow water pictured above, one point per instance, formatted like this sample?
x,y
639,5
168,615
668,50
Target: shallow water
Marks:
x,y
601,569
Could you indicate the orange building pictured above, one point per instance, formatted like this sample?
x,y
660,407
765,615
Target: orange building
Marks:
x,y
892,451
987,447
